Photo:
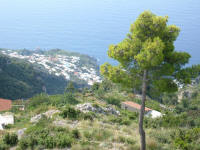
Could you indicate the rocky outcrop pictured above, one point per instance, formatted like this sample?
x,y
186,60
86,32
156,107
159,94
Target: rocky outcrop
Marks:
x,y
87,107
48,114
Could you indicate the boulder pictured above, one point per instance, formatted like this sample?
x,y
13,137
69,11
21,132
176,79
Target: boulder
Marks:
x,y
36,118
20,133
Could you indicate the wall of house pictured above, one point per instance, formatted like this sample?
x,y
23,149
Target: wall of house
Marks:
x,y
5,120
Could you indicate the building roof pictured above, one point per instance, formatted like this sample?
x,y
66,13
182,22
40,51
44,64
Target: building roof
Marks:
x,y
135,105
5,104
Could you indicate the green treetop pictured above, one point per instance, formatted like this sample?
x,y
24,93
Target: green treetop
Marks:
x,y
147,58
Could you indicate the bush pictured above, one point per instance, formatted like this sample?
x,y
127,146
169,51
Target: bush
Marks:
x,y
10,139
68,98
101,134
126,121
4,146
88,135
130,141
89,116
43,134
41,99
76,134
120,120
64,140
152,145
70,113
113,101
49,142
9,126
161,136
23,144
186,139
121,139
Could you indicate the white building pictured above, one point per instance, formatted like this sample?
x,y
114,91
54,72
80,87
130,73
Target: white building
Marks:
x,y
5,120
131,106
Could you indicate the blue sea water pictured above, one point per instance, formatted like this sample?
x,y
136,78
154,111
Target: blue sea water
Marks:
x,y
90,26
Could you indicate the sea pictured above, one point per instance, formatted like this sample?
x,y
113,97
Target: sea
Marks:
x,y
90,26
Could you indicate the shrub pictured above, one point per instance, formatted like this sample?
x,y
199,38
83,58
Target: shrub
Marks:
x,y
186,139
64,140
40,99
88,135
126,121
130,141
101,134
89,116
4,146
161,137
120,120
121,139
68,98
49,142
133,147
9,126
76,134
23,144
113,101
70,113
152,145
10,139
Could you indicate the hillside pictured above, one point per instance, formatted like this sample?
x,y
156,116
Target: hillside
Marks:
x,y
57,121
24,73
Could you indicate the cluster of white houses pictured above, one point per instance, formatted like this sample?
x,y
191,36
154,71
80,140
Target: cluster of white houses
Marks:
x,y
60,65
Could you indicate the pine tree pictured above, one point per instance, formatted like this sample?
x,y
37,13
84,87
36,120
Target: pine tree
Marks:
x,y
147,58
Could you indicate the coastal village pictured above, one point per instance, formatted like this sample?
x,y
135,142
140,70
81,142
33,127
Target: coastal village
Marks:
x,y
60,65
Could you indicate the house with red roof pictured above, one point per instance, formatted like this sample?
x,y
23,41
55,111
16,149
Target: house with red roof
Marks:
x,y
131,106
5,104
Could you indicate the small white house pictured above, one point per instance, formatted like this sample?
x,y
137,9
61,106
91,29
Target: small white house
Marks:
x,y
153,114
131,106
5,120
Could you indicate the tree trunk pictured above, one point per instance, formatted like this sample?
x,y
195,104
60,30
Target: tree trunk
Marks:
x,y
142,111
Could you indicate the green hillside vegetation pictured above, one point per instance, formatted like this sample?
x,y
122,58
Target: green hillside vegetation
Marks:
x,y
177,129
20,79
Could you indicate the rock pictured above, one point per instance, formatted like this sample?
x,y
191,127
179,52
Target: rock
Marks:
x,y
60,123
36,118
48,114
87,107
111,110
20,133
